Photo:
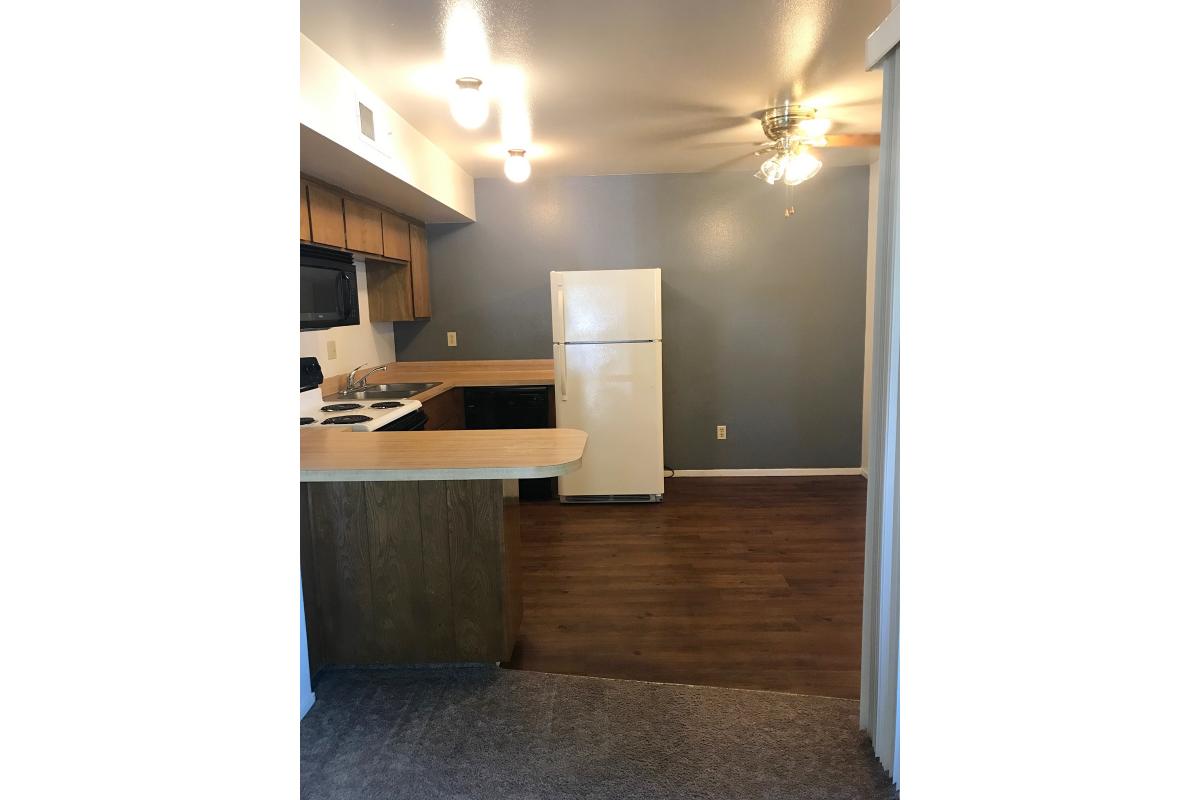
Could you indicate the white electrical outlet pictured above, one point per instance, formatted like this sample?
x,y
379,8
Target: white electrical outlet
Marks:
x,y
331,349
452,338
720,431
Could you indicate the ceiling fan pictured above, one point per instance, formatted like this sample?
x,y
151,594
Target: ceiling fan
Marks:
x,y
793,131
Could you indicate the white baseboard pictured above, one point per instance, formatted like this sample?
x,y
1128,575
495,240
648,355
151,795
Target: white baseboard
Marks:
x,y
797,472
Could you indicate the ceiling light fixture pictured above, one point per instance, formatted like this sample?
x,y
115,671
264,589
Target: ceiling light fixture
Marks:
x,y
792,130
516,166
773,169
468,106
800,167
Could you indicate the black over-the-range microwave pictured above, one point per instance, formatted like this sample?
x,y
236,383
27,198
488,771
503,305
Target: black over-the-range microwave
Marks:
x,y
328,288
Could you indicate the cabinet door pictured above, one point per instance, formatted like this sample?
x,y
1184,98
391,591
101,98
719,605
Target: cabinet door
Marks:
x,y
325,212
364,227
446,412
395,237
420,272
305,224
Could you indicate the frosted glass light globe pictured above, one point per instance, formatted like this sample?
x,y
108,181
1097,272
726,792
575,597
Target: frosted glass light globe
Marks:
x,y
801,166
468,106
772,169
516,166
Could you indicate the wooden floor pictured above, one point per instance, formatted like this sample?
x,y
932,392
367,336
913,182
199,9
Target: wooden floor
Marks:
x,y
744,582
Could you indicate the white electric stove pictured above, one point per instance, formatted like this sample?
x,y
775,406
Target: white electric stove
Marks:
x,y
359,415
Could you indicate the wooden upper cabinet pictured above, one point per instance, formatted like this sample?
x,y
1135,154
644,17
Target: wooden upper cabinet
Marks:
x,y
395,237
364,227
420,272
325,213
305,224
389,291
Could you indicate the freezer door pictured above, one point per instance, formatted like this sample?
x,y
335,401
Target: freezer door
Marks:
x,y
608,305
613,392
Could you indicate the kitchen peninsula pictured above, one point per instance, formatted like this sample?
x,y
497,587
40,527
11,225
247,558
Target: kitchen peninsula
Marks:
x,y
410,541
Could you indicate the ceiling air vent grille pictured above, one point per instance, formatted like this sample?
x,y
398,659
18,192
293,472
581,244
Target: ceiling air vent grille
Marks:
x,y
366,121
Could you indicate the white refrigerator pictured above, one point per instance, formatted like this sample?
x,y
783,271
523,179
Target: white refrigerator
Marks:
x,y
608,381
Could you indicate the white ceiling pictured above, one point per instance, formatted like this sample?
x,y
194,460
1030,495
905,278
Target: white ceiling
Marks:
x,y
617,87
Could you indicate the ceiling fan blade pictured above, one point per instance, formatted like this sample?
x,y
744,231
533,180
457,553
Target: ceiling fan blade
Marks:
x,y
851,140
729,163
714,145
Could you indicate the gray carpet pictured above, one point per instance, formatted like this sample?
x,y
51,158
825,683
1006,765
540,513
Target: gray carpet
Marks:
x,y
483,732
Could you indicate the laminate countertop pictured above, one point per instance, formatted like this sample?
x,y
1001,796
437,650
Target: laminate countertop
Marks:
x,y
455,374
340,455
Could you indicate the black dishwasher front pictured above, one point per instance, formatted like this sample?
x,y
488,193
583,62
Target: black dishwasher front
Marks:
x,y
491,407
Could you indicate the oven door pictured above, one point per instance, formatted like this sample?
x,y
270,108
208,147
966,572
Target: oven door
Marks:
x,y
328,290
412,421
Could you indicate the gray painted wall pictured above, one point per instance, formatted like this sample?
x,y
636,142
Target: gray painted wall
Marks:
x,y
762,315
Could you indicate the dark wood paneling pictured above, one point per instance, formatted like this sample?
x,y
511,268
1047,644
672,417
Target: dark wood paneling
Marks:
x,y
511,544
404,572
435,549
475,560
312,614
397,571
744,582
341,552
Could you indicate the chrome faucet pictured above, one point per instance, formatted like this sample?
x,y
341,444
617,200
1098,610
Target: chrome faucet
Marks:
x,y
360,384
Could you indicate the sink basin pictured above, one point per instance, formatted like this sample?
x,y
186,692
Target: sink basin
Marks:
x,y
386,391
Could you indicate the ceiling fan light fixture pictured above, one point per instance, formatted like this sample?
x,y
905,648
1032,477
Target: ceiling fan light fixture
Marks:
x,y
772,169
800,167
516,166
468,106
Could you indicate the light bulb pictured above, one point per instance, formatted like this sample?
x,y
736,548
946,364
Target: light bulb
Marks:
x,y
800,167
772,169
468,106
516,166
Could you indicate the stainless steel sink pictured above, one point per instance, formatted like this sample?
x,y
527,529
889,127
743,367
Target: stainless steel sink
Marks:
x,y
385,391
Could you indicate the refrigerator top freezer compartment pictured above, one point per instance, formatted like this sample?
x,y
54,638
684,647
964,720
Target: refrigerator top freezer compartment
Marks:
x,y
614,305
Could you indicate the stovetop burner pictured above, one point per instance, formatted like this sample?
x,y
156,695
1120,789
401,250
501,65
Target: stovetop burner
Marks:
x,y
341,407
307,420
347,419
387,404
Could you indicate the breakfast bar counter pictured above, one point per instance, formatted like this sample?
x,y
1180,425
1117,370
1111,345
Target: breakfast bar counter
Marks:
x,y
340,455
410,541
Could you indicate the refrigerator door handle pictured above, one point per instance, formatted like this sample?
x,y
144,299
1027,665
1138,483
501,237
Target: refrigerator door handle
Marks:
x,y
562,312
560,368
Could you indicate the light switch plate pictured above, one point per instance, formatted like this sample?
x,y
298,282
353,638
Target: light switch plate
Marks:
x,y
720,431
452,338
331,349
